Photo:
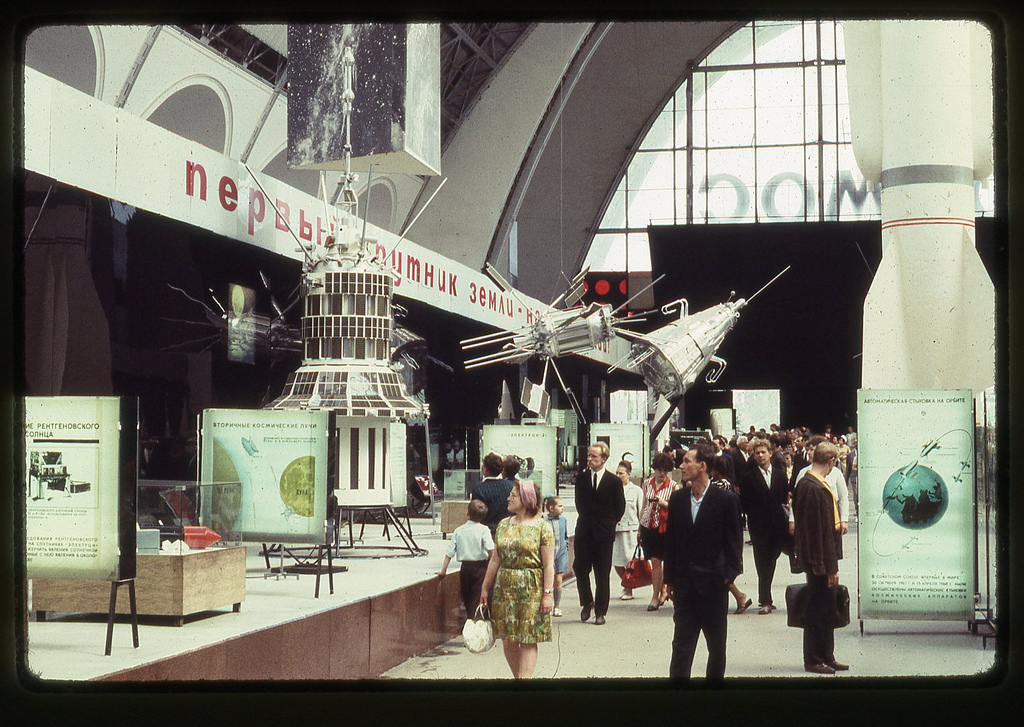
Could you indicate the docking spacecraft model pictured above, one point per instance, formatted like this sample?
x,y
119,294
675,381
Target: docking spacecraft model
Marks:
x,y
670,358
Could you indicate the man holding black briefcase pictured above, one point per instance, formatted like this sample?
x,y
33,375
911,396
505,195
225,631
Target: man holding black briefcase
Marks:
x,y
816,522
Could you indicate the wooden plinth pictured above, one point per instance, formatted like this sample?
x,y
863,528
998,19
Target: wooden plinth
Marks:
x,y
453,514
166,585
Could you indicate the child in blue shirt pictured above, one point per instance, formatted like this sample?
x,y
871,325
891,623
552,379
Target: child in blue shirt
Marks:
x,y
471,545
559,524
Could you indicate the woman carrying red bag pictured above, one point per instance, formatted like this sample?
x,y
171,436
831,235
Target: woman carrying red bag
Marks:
x,y
657,490
624,547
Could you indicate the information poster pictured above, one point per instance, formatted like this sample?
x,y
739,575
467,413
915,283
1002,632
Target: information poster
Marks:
x,y
399,469
758,408
534,444
71,487
629,442
916,504
264,474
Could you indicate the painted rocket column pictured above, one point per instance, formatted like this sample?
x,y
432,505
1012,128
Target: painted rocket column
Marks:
x,y
921,117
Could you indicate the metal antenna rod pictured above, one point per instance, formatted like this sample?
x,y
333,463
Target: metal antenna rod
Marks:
x,y
641,292
767,284
309,258
417,216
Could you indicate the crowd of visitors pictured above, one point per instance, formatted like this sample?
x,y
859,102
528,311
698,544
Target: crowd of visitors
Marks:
x,y
792,491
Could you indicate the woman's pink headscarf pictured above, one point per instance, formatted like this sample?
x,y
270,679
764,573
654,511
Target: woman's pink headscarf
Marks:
x,y
528,494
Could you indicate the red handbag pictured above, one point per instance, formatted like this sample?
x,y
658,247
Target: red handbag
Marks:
x,y
638,572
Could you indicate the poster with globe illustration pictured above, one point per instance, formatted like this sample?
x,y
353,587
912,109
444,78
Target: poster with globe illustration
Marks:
x,y
264,474
915,504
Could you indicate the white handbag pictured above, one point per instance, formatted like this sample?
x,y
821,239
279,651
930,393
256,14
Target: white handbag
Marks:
x,y
478,632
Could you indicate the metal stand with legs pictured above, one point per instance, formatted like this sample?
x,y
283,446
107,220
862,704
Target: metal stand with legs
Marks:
x,y
114,585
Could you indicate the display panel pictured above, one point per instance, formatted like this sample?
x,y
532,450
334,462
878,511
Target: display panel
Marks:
x,y
71,487
626,441
758,408
264,474
915,504
535,445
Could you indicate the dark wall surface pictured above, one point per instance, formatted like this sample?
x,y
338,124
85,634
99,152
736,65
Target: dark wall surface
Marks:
x,y
803,335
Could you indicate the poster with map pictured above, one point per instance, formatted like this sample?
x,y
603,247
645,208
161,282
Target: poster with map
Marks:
x,y
264,474
915,506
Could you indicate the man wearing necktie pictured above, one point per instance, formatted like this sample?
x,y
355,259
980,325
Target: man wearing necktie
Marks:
x,y
764,490
600,503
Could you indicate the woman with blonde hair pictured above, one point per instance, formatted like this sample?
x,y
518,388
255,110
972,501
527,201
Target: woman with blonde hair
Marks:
x,y
521,569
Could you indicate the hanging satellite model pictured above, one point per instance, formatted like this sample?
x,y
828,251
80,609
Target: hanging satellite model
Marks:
x,y
556,332
670,358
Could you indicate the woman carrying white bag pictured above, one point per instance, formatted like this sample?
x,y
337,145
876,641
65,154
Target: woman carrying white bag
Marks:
x,y
523,574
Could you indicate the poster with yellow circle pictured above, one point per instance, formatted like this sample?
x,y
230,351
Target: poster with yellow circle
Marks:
x,y
264,474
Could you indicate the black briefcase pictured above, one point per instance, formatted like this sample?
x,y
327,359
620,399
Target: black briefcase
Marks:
x,y
796,605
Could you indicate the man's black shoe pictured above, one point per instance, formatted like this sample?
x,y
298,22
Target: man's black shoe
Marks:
x,y
599,621
585,613
837,665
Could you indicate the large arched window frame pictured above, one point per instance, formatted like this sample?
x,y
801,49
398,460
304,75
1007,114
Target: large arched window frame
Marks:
x,y
759,131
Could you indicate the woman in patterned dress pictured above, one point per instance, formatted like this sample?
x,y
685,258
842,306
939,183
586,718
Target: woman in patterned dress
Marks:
x,y
523,574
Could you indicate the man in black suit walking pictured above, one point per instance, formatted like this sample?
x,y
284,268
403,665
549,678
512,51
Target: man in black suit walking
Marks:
x,y
703,555
764,490
600,503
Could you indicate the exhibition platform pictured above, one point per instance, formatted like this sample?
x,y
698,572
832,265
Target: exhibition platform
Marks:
x,y
386,607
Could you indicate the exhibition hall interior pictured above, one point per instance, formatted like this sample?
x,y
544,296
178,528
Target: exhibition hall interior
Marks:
x,y
283,287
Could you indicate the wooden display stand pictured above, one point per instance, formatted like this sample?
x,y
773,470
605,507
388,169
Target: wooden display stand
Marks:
x,y
453,514
175,585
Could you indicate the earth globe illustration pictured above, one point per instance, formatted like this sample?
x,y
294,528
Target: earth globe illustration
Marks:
x,y
915,497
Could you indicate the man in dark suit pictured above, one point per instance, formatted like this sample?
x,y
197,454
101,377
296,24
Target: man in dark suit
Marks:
x,y
763,493
600,503
703,555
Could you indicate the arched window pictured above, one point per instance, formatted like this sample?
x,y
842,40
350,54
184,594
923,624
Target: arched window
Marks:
x,y
757,132
194,112
63,52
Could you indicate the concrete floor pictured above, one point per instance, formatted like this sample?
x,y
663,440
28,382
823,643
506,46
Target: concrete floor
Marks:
x,y
636,643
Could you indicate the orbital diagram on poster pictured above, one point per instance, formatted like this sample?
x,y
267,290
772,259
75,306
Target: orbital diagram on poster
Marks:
x,y
915,504
71,487
264,473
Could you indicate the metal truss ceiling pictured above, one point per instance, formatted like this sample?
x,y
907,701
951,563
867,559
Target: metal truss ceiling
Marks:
x,y
470,54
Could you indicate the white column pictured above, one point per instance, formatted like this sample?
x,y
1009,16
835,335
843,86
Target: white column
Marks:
x,y
929,316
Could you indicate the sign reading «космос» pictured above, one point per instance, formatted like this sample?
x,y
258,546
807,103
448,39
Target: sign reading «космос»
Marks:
x,y
915,504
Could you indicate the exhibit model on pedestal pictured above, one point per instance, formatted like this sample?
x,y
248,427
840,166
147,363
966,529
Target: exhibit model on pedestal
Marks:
x,y
347,349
